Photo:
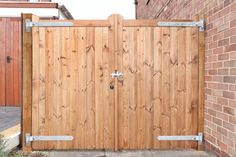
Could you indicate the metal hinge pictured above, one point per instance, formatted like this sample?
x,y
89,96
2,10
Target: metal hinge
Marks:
x,y
198,138
199,24
29,138
29,24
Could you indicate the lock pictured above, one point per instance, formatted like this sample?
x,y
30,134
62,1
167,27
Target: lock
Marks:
x,y
9,59
111,86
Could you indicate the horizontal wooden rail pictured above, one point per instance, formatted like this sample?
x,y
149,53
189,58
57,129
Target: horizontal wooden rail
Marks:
x,y
28,5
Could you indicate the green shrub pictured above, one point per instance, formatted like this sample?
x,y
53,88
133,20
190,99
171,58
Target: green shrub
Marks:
x,y
2,147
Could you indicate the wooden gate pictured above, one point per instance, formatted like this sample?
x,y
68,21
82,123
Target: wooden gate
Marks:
x,y
111,84
10,62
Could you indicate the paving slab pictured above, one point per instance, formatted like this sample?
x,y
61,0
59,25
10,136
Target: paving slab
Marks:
x,y
145,153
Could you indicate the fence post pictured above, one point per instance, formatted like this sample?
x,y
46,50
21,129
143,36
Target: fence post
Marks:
x,y
201,70
26,116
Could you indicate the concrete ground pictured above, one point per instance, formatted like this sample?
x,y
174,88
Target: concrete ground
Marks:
x,y
154,153
9,117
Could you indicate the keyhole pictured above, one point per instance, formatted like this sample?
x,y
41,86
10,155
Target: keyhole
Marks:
x,y
112,87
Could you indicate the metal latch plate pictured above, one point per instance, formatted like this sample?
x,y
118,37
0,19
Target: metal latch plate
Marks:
x,y
29,138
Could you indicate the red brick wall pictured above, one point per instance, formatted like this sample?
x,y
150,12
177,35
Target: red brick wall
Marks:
x,y
220,65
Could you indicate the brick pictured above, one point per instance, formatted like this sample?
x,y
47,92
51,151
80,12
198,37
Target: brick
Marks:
x,y
229,110
223,42
229,126
233,23
229,79
232,103
212,72
229,95
212,112
222,101
232,87
233,71
232,120
223,71
231,63
217,121
232,39
223,57
229,32
218,50
230,48
223,86
222,116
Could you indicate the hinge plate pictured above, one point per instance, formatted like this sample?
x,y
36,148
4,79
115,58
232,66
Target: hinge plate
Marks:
x,y
198,138
29,138
199,24
29,24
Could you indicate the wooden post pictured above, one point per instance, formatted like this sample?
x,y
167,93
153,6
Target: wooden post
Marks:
x,y
26,125
116,22
201,49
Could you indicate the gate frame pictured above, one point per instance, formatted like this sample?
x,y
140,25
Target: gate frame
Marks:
x,y
116,23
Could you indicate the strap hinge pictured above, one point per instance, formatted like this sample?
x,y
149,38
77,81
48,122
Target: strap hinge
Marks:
x,y
199,24
29,138
29,24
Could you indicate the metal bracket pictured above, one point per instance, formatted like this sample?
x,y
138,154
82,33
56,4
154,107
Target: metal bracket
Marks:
x,y
198,138
29,138
199,24
29,24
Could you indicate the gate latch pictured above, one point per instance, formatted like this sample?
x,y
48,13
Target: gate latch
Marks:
x,y
117,74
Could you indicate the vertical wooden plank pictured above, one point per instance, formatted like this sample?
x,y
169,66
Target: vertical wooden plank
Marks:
x,y
35,84
157,90
10,65
98,88
27,82
140,87
16,63
125,90
49,84
74,75
181,83
173,85
65,65
41,56
201,69
2,61
90,92
82,84
165,114
148,68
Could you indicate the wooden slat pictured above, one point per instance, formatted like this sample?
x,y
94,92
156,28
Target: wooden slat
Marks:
x,y
84,23
27,84
2,61
165,96
28,5
99,116
157,90
90,90
173,85
148,23
35,84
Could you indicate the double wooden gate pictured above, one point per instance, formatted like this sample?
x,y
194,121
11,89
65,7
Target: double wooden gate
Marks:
x,y
111,84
